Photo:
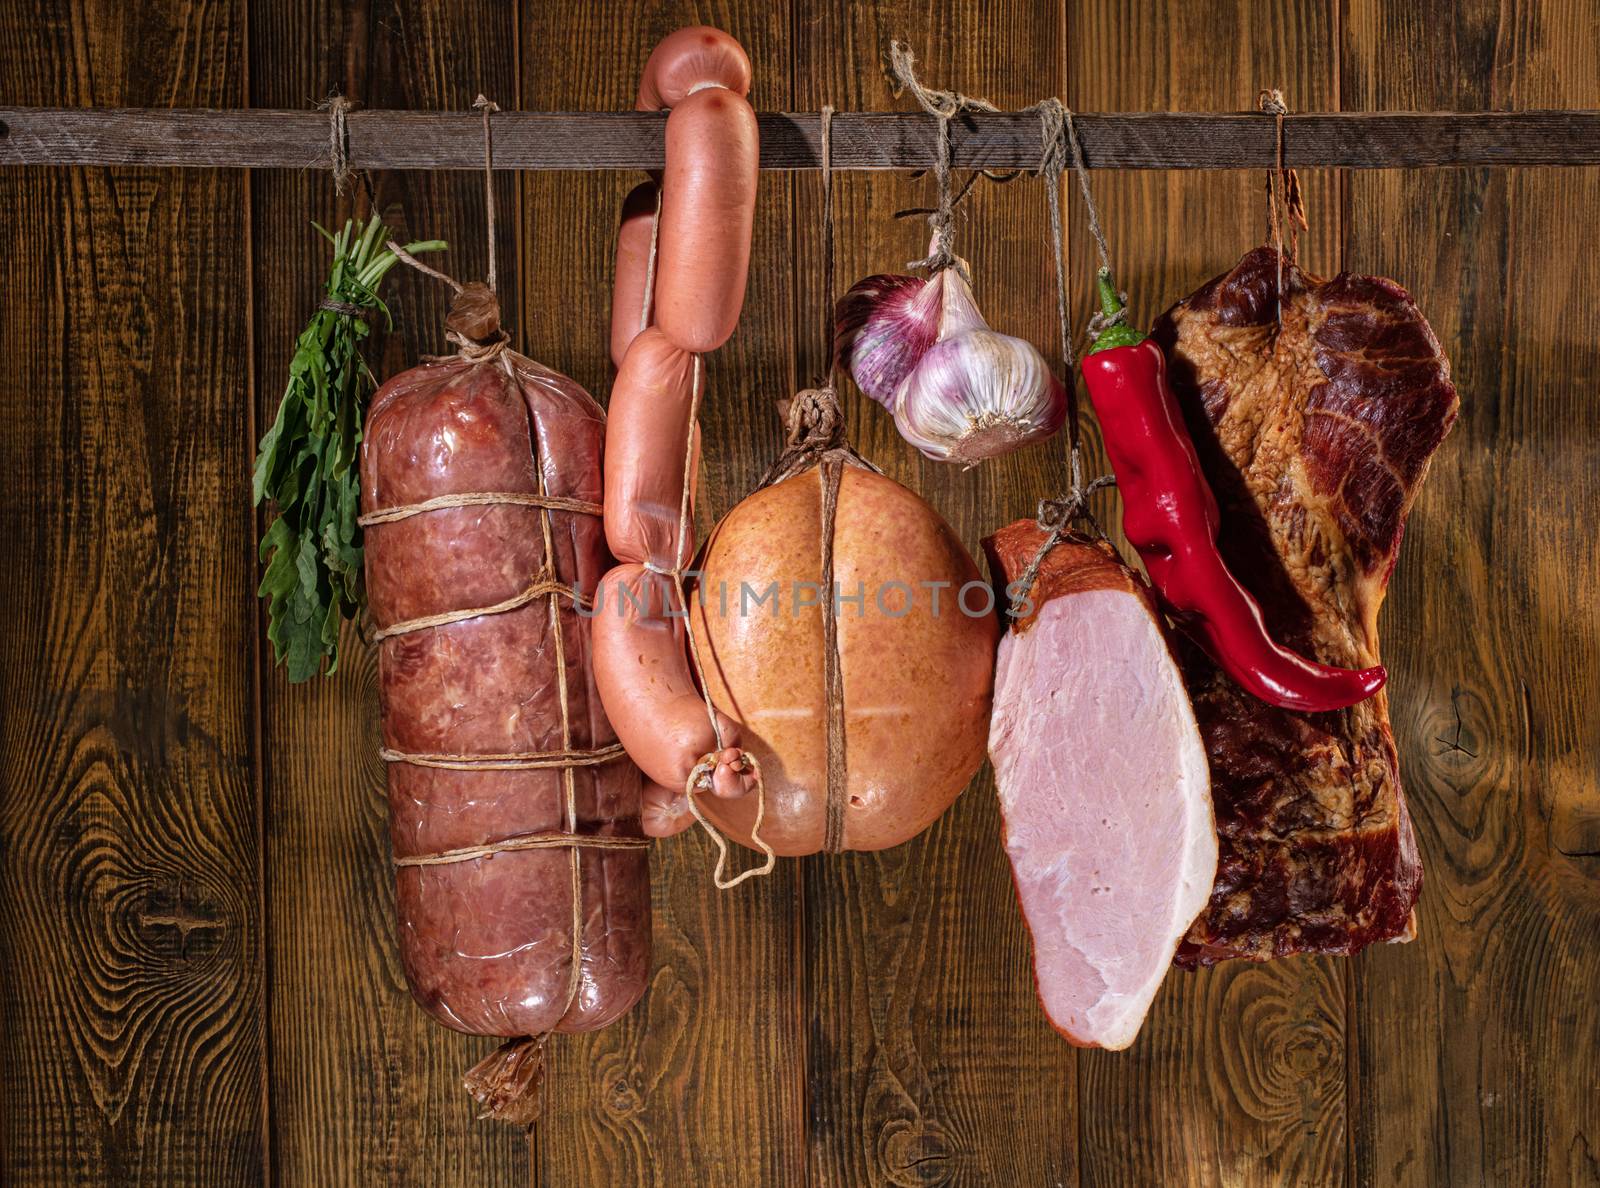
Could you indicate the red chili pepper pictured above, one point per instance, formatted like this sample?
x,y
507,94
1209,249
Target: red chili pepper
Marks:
x,y
1170,515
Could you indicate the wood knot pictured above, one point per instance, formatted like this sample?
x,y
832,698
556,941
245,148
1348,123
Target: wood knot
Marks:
x,y
173,910
914,1152
623,1101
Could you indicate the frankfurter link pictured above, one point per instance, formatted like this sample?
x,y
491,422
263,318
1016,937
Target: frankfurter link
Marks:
x,y
683,253
708,199
652,403
641,661
631,299
691,60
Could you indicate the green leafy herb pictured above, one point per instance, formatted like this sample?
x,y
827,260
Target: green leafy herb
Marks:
x,y
307,463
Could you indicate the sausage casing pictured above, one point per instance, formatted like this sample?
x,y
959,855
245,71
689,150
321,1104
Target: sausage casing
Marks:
x,y
708,199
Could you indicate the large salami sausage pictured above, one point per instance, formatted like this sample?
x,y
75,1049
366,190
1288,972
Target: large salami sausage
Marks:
x,y
522,877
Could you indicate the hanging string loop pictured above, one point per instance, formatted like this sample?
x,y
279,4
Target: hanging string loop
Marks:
x,y
1285,207
944,106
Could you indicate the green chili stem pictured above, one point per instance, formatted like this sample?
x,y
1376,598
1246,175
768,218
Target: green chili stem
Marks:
x,y
1113,311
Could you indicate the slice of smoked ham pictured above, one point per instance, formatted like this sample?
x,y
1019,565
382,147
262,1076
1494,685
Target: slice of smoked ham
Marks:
x,y
1103,784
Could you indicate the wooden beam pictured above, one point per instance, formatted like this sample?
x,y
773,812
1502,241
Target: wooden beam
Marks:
x,y
260,139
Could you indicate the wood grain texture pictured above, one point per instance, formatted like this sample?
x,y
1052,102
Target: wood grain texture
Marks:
x,y
929,1058
1478,1046
702,1083
1239,1075
130,936
365,1088
585,140
186,999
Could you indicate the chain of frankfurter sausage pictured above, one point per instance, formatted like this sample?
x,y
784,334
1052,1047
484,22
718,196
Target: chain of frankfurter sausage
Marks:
x,y
683,254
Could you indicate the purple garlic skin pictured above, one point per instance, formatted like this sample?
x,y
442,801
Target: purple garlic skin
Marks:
x,y
883,325
959,391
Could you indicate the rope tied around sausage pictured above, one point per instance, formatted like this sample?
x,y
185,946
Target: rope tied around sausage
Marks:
x,y
816,438
699,778
543,585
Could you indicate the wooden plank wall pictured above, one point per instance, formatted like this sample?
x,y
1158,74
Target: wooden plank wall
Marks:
x,y
198,983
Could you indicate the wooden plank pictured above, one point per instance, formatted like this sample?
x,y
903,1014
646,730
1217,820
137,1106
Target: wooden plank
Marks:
x,y
365,1087
1238,1077
702,1083
791,140
1478,1045
131,1025
930,1062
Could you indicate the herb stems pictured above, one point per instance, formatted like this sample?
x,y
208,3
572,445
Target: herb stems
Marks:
x,y
307,463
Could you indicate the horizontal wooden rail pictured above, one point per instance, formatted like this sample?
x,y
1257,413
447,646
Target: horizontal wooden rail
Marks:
x,y
259,139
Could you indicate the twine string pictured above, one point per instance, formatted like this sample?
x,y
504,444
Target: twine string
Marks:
x,y
944,106
1285,208
568,778
699,779
531,841
650,266
540,587
486,105
1057,516
1053,117
338,109
466,348
827,241
1092,212
405,511
832,476
504,761
426,269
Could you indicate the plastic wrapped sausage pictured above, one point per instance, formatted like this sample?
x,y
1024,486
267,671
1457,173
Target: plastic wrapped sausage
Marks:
x,y
639,644
481,484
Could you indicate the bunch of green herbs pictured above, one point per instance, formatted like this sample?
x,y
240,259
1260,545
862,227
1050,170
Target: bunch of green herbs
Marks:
x,y
308,461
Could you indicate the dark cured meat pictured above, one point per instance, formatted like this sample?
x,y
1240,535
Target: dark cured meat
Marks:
x,y
1315,437
487,943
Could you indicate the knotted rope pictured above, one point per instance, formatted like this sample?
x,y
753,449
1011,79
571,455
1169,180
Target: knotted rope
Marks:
x,y
815,437
338,109
944,106
1284,203
699,779
488,106
472,348
1059,147
1059,140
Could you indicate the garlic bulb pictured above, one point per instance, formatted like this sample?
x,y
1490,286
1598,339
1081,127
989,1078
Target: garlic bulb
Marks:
x,y
959,391
882,326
